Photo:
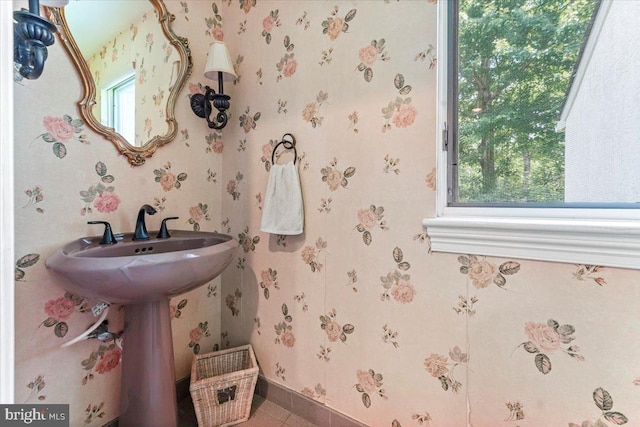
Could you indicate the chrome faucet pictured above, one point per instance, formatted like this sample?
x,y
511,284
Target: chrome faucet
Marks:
x,y
141,228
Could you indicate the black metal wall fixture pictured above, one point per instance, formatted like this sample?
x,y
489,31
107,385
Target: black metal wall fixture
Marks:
x,y
31,36
219,66
201,105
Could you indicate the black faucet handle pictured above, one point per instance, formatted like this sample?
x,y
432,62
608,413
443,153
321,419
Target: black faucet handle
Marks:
x,y
150,210
107,238
164,233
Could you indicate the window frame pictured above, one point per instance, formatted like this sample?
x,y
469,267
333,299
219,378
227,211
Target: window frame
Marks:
x,y
581,235
109,95
117,110
114,106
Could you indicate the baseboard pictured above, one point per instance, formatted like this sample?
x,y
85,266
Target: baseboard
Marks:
x,y
299,404
182,388
294,402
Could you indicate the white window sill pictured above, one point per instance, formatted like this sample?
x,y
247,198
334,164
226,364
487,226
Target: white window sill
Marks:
x,y
602,242
602,237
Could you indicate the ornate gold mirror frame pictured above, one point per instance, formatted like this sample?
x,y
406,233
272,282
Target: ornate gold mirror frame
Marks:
x,y
135,155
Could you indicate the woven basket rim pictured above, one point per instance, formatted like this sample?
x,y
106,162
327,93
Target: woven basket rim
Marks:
x,y
199,382
226,351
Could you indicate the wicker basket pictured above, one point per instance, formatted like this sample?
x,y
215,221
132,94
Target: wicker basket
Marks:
x,y
222,386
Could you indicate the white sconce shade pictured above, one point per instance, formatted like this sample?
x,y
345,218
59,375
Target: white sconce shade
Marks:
x,y
219,60
54,3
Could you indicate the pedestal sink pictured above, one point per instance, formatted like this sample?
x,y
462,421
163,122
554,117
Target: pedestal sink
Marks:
x,y
143,275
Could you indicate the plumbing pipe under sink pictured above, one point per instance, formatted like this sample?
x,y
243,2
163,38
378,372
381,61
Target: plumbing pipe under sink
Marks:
x,y
92,328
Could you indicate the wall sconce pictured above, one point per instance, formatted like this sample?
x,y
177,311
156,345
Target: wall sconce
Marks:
x,y
219,66
31,36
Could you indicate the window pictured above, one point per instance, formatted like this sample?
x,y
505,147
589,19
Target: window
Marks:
x,y
538,113
120,107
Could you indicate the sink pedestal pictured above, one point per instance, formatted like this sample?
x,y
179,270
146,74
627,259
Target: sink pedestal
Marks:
x,y
148,390
142,275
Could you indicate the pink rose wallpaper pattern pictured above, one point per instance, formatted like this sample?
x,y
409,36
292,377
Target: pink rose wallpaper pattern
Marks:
x,y
61,130
356,313
140,48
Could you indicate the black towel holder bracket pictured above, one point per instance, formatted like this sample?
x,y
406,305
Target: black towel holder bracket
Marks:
x,y
289,145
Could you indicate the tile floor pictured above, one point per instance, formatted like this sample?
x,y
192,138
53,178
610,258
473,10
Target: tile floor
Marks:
x,y
263,414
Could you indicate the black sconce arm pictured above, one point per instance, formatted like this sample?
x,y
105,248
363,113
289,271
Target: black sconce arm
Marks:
x,y
32,34
202,105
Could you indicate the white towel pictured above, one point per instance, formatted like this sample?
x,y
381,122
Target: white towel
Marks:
x,y
283,211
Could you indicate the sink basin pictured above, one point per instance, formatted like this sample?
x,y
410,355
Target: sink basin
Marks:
x,y
131,271
143,275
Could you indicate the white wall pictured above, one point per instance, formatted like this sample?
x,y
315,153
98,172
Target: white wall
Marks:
x,y
603,127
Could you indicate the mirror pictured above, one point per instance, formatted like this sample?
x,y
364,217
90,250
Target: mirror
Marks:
x,y
132,67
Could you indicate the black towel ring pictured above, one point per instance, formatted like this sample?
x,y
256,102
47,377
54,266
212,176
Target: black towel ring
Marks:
x,y
288,145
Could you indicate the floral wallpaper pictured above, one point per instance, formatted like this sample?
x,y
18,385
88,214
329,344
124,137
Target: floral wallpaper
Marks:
x,y
356,313
143,49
